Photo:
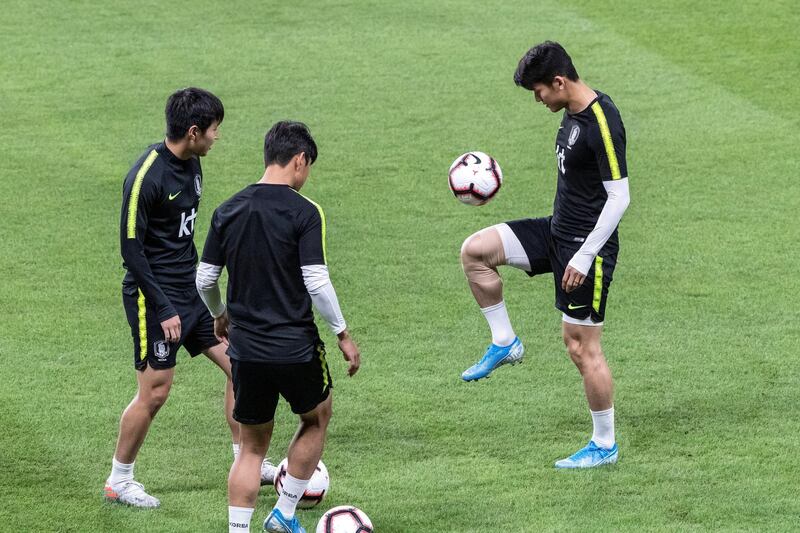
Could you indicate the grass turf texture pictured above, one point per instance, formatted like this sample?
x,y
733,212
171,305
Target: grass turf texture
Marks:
x,y
701,326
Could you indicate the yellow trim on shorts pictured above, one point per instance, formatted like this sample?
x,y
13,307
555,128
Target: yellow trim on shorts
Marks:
x,y
324,363
598,283
607,142
133,202
142,327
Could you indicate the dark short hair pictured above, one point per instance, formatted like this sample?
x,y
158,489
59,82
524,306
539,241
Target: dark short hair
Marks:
x,y
191,107
286,139
542,63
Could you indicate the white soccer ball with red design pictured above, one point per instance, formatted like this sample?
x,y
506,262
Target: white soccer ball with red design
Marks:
x,y
317,486
475,177
345,519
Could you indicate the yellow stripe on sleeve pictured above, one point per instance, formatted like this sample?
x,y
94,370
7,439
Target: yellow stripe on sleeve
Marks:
x,y
133,202
607,142
322,216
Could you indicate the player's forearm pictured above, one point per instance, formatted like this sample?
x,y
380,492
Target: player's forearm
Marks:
x,y
136,262
323,296
207,283
615,206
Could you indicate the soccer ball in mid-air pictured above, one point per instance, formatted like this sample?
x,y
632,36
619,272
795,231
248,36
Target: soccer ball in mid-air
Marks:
x,y
317,486
475,178
345,519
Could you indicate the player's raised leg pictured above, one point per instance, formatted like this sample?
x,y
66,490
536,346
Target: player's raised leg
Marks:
x,y
583,345
153,390
304,454
481,254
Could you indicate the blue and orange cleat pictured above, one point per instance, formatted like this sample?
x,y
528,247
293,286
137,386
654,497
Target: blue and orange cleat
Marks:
x,y
590,456
495,356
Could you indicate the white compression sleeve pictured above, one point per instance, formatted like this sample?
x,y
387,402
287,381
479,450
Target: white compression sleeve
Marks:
x,y
323,296
208,288
614,208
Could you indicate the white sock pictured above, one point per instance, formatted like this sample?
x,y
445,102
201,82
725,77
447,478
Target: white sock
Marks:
x,y
291,492
239,519
120,472
603,434
235,451
497,317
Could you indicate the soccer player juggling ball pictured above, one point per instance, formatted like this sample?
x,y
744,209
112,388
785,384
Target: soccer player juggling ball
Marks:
x,y
578,243
271,239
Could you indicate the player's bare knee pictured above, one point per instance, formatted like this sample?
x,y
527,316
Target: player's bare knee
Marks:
x,y
482,253
587,357
154,395
579,354
471,251
574,347
157,397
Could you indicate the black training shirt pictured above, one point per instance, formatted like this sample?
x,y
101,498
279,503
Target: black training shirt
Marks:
x,y
263,235
160,197
590,149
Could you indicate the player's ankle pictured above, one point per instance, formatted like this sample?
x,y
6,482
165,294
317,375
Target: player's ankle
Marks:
x,y
120,472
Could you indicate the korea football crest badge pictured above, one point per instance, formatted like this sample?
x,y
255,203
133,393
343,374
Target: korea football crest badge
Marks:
x,y
574,133
161,350
198,185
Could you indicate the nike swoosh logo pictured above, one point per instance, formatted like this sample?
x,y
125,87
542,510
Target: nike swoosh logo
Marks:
x,y
572,307
173,196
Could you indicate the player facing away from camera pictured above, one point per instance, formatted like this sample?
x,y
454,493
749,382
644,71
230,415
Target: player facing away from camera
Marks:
x,y
160,199
578,244
272,241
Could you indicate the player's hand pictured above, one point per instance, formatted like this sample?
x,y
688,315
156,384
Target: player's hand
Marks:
x,y
221,324
350,352
572,279
172,329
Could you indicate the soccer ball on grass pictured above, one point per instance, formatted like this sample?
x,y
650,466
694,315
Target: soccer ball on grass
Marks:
x,y
344,519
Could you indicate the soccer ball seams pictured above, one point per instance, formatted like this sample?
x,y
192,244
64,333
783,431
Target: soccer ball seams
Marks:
x,y
470,190
311,497
351,512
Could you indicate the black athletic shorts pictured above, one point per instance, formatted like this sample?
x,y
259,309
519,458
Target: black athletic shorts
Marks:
x,y
256,387
149,346
549,253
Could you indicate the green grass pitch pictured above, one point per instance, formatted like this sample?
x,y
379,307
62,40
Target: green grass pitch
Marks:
x,y
702,323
